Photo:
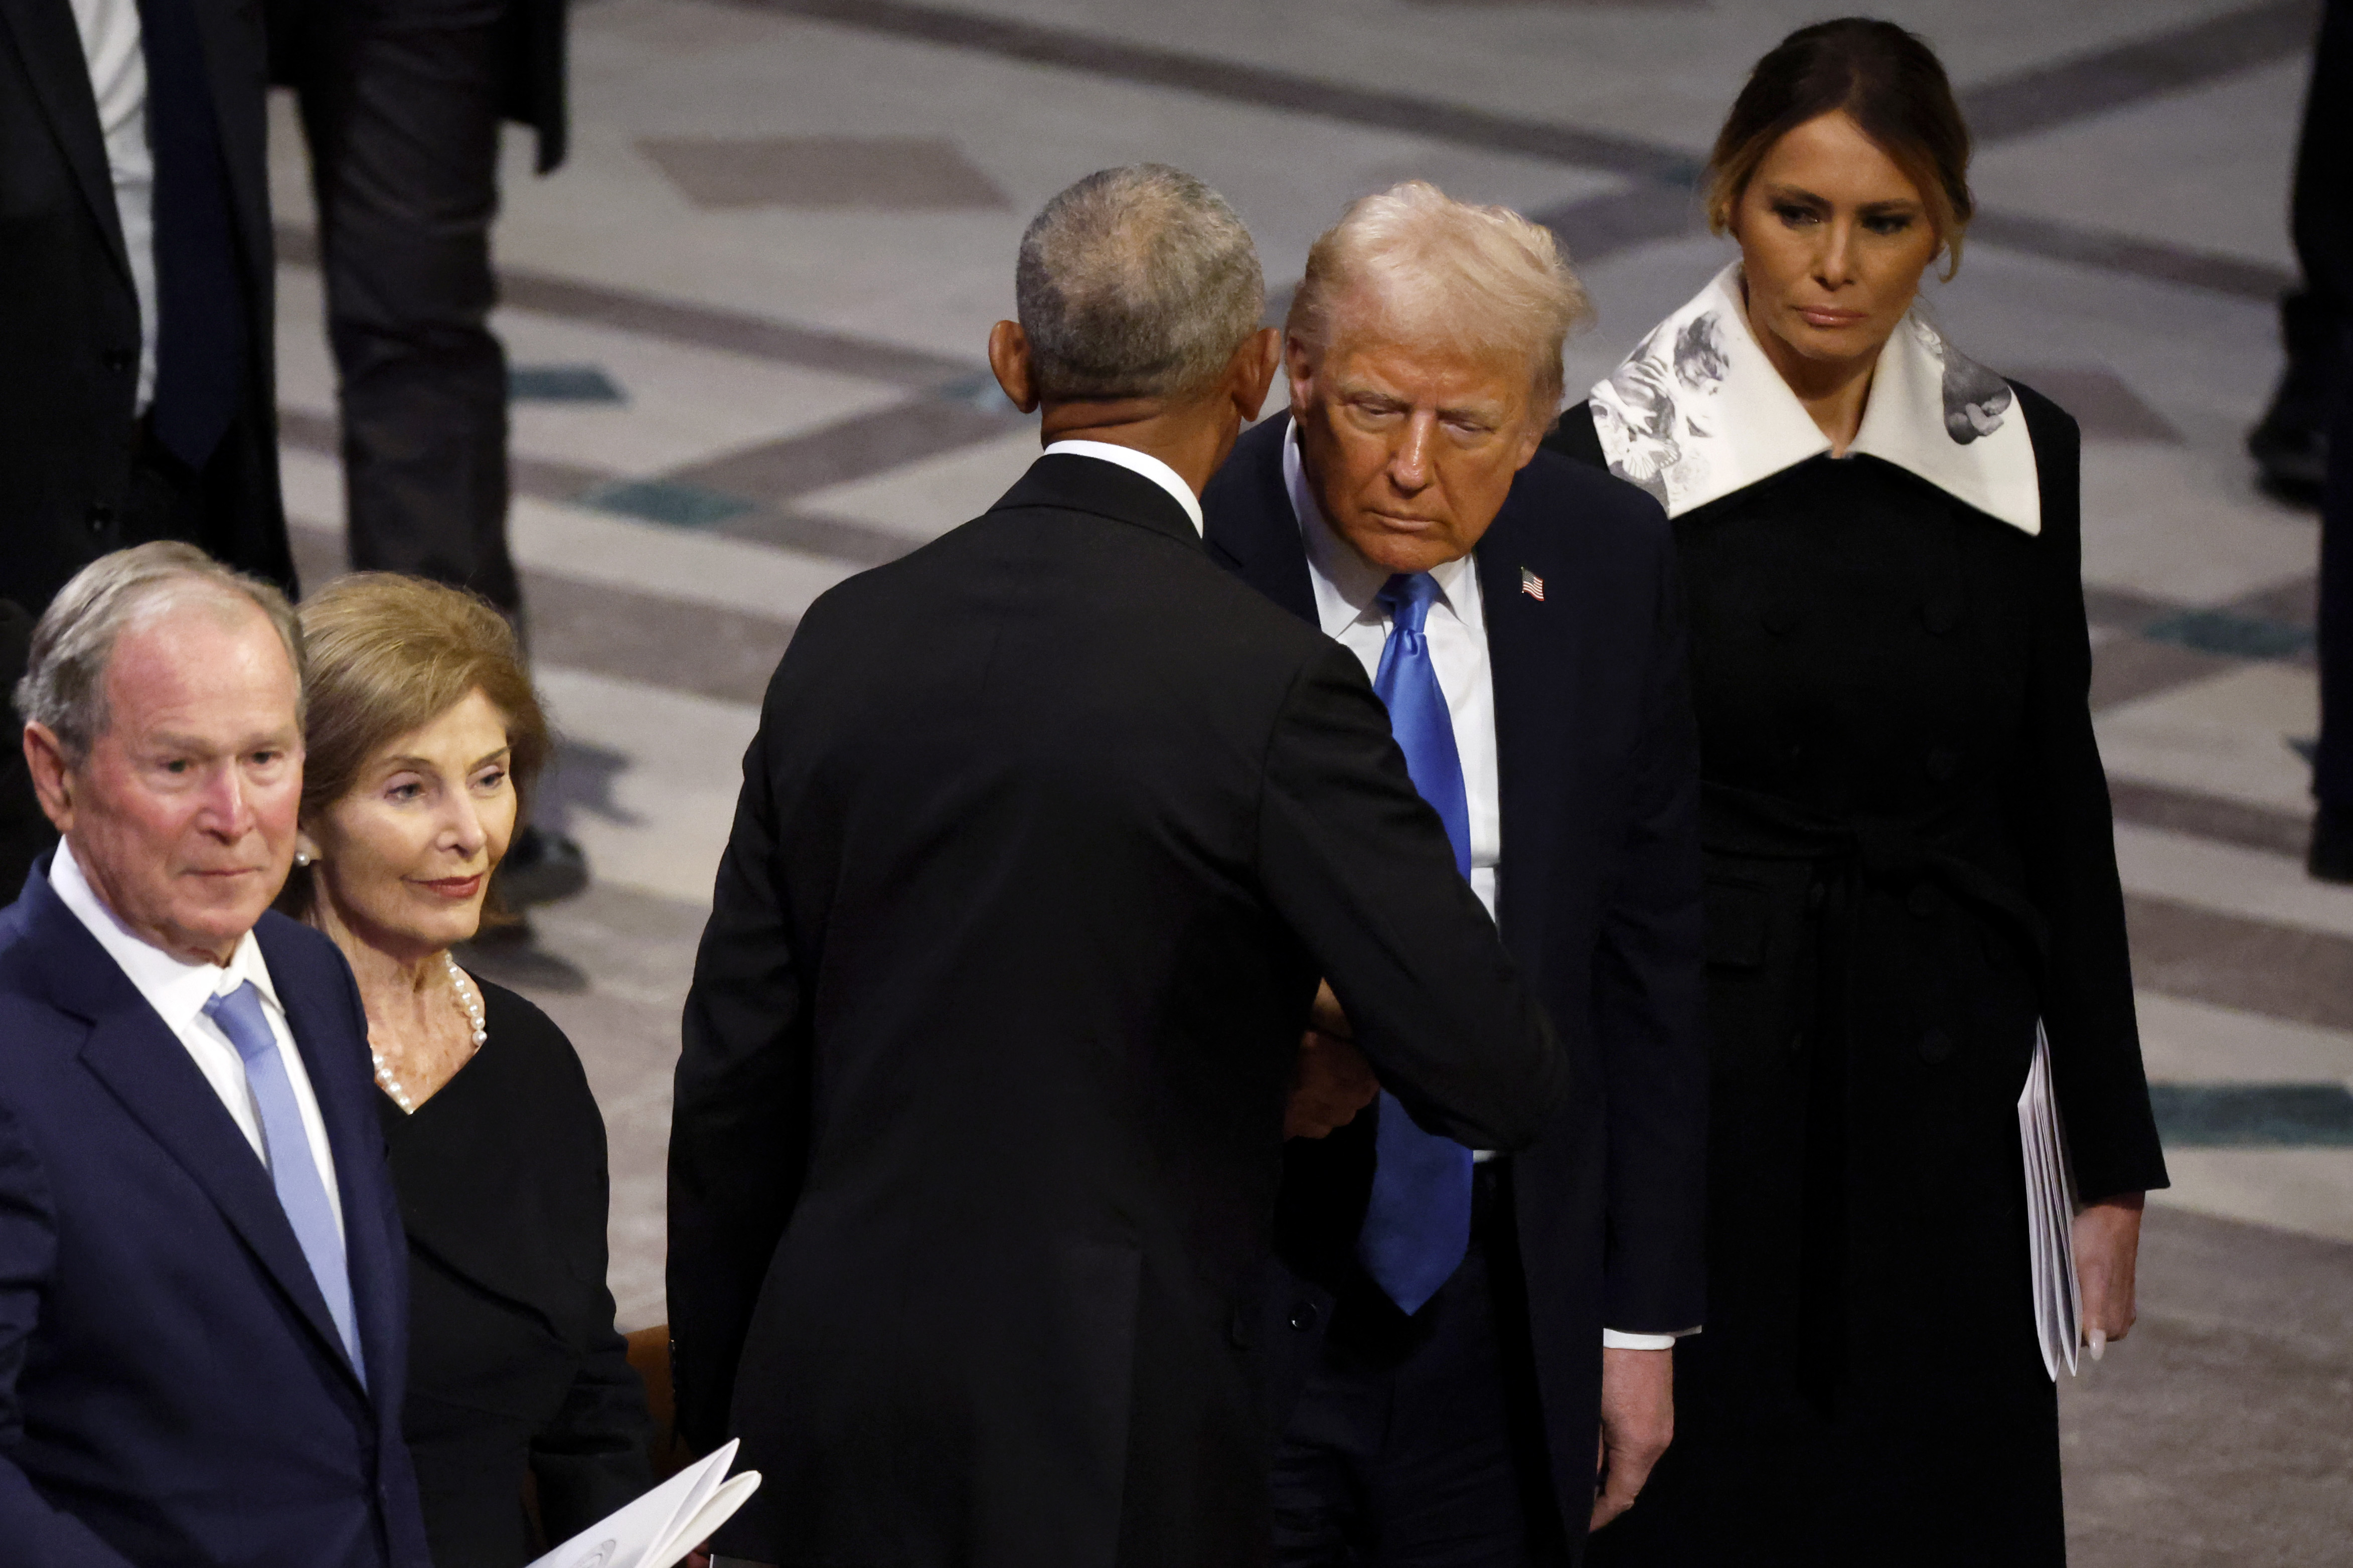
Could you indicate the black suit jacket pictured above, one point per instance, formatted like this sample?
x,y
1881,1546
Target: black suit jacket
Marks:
x,y
69,318
172,1388
1599,899
1048,832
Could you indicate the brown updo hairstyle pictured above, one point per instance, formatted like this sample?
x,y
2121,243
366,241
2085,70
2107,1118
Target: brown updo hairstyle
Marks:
x,y
1888,82
388,654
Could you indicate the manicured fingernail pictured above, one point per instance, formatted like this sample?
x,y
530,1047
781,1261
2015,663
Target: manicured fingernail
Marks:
x,y
2099,1344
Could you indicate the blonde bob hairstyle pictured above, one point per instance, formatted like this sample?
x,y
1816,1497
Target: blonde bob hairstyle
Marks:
x,y
388,654
1481,279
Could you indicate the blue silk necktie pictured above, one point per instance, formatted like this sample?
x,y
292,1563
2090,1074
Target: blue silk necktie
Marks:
x,y
286,1149
1417,1224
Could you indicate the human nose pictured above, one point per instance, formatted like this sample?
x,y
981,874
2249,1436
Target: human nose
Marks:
x,y
464,831
1834,263
1410,460
225,812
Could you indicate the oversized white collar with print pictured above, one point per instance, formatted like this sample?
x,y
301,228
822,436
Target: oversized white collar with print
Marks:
x,y
1697,412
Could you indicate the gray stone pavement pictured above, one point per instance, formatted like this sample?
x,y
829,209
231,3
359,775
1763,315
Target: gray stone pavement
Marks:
x,y
747,321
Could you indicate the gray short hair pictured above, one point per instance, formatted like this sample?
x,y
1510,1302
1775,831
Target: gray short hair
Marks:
x,y
64,685
1481,276
1135,282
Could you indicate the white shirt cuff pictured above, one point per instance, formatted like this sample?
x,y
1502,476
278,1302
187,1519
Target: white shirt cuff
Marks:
x,y
1612,1339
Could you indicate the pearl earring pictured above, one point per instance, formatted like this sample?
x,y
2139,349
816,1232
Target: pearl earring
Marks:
x,y
301,857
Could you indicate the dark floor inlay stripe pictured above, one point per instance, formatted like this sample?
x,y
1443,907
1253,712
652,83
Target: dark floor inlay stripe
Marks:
x,y
2253,1115
2230,634
2205,955
2209,817
2065,90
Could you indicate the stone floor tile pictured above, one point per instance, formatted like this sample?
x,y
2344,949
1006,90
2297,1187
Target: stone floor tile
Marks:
x,y
2225,734
887,174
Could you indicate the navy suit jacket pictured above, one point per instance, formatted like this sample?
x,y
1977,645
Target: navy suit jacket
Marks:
x,y
1600,902
172,1389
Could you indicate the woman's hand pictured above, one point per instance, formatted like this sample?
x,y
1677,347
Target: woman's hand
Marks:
x,y
2107,1248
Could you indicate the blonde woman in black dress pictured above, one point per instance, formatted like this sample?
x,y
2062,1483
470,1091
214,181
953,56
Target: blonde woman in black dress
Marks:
x,y
422,727
1909,853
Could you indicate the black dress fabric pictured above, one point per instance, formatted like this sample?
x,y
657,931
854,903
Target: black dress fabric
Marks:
x,y
1909,861
515,1368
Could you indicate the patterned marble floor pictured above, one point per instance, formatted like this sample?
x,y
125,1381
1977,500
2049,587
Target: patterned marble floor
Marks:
x,y
746,322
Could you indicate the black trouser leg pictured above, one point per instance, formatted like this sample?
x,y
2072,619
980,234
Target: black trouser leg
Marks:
x,y
2314,319
1421,1451
400,100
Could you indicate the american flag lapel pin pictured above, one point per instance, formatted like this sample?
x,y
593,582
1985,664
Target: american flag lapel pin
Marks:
x,y
1531,584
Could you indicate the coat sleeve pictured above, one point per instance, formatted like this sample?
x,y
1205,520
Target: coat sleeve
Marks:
x,y
740,1117
2069,833
593,1457
1358,865
1647,1006
29,1249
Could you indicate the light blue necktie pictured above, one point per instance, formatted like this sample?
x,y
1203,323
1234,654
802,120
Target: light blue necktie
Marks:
x,y
1417,1224
286,1149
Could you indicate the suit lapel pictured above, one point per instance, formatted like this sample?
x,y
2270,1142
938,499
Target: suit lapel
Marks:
x,y
1534,654
144,1066
346,1105
1252,529
49,46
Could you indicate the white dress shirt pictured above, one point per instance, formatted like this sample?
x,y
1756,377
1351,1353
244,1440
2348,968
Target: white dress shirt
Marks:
x,y
118,80
1348,609
178,988
1144,463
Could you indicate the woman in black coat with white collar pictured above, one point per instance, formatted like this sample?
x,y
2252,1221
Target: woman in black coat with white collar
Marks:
x,y
1909,853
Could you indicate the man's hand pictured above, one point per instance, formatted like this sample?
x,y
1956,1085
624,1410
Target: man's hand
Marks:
x,y
1638,1422
1325,1015
1332,1083
2107,1248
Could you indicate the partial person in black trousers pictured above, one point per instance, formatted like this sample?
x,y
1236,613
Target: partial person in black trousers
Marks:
x,y
1456,1426
2315,396
2290,444
402,101
423,734
1048,832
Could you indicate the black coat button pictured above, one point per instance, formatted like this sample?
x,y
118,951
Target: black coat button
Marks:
x,y
1921,900
1303,1315
1936,1046
118,359
100,515
1943,764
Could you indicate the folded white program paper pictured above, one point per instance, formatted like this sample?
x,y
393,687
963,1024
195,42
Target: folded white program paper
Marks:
x,y
661,1527
2049,1215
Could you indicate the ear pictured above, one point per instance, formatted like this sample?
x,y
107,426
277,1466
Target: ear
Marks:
x,y
53,780
1252,372
1008,356
1299,361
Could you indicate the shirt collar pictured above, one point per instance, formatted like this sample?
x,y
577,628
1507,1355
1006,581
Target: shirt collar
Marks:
x,y
1136,462
1348,586
1697,412
176,987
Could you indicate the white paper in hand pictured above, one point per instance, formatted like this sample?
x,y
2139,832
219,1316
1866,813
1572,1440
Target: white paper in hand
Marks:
x,y
661,1527
2049,1215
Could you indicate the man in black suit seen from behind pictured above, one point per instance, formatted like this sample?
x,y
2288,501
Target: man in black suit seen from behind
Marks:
x,y
136,397
1049,831
1443,1341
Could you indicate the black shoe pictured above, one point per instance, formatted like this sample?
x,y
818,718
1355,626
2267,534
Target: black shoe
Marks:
x,y
2291,459
541,865
2330,858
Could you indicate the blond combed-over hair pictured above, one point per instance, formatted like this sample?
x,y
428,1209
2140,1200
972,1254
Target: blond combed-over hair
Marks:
x,y
1483,279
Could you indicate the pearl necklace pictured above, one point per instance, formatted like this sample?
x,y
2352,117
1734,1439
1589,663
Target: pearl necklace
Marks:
x,y
470,999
